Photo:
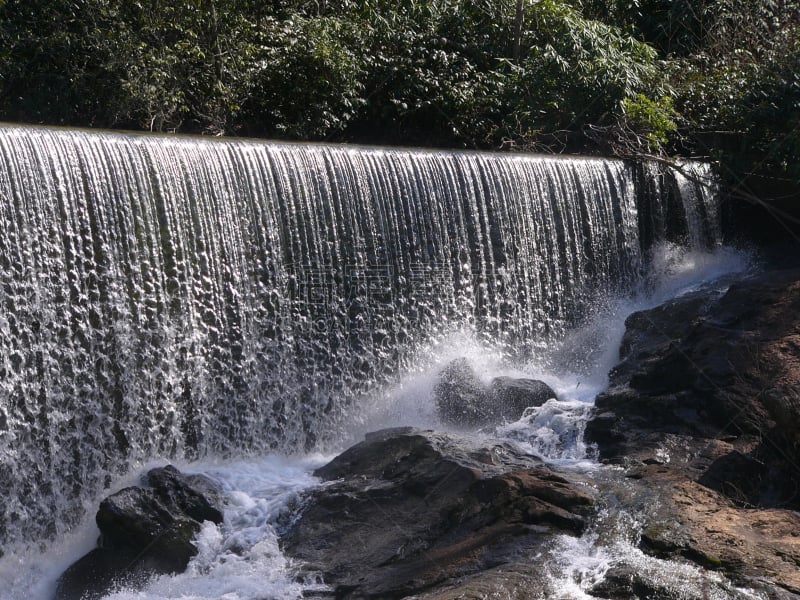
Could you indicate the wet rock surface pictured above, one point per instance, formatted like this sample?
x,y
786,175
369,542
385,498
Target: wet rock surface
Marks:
x,y
144,531
703,413
712,367
463,400
408,510
699,425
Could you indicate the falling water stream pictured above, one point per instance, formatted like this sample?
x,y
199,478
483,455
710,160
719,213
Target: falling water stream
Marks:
x,y
245,309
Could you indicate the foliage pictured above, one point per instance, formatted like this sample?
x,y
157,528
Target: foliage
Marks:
x,y
429,74
447,72
745,82
654,120
575,71
733,68
306,80
605,75
186,64
49,52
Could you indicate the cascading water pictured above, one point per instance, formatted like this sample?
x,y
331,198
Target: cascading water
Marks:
x,y
179,298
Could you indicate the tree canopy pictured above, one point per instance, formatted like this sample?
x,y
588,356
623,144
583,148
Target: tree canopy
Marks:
x,y
718,78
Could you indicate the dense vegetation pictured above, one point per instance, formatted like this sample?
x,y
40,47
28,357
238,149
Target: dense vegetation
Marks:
x,y
615,76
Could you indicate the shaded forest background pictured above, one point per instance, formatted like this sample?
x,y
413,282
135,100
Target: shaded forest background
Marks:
x,y
711,78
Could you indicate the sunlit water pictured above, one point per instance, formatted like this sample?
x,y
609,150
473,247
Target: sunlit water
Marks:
x,y
576,564
183,300
241,559
188,298
237,560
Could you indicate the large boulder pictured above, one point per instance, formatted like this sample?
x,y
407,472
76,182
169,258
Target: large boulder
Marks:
x,y
512,395
704,412
463,400
755,547
144,531
409,510
712,366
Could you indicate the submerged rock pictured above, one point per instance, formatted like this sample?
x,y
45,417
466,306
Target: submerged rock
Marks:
x,y
410,510
463,400
144,531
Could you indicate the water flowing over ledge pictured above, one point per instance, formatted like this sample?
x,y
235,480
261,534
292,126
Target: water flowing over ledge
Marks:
x,y
179,297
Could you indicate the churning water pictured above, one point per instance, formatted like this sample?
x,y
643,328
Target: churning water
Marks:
x,y
215,303
241,558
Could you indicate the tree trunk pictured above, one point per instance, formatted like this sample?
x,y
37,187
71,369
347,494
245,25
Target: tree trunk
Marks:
x,y
519,20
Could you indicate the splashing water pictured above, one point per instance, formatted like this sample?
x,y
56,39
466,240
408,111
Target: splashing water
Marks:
x,y
241,559
577,564
183,299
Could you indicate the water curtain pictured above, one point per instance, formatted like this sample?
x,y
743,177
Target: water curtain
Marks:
x,y
180,297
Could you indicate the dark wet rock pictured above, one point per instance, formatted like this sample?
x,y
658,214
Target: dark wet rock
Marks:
x,y
463,400
144,531
703,412
512,395
461,397
516,581
410,510
625,581
713,366
136,518
196,496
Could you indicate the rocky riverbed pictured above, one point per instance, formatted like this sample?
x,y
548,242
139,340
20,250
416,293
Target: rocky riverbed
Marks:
x,y
698,436
703,412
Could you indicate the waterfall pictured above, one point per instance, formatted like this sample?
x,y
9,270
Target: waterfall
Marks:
x,y
186,297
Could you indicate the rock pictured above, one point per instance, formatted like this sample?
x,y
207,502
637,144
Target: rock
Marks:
x,y
463,400
517,581
461,397
196,496
512,396
410,510
144,531
632,581
755,547
713,366
704,411
137,519
625,582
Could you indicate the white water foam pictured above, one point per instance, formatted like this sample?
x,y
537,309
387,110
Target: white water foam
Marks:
x,y
554,432
238,560
191,297
241,559
576,368
578,564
